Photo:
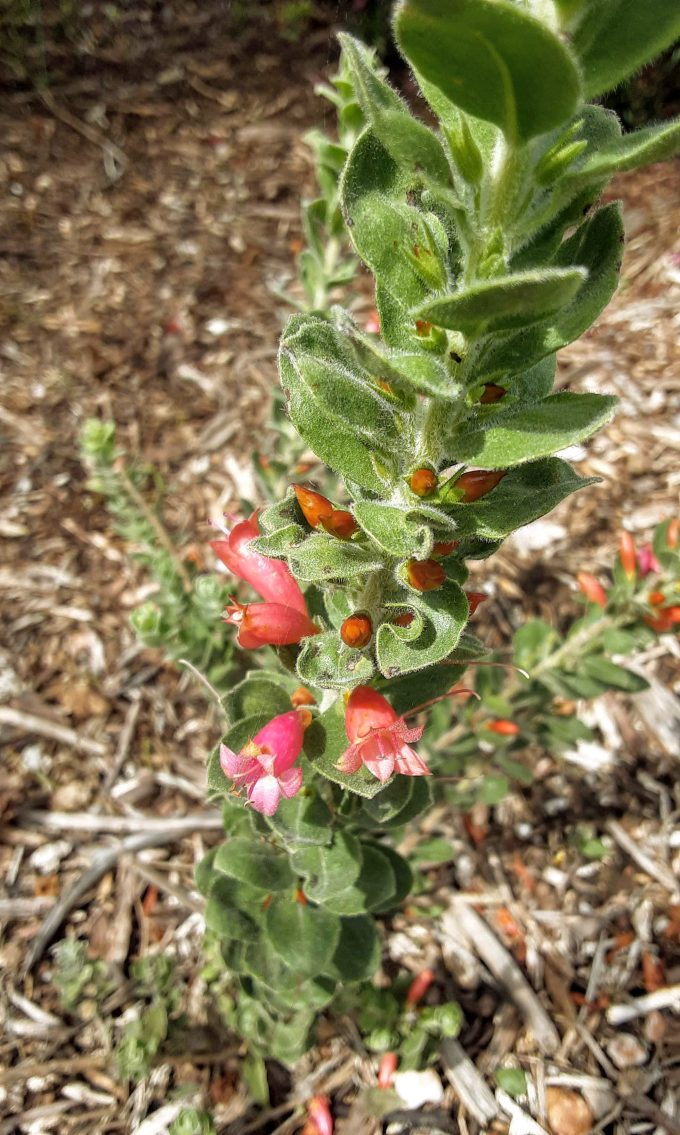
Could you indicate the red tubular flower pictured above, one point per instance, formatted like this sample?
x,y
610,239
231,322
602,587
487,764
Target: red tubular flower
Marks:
x,y
656,598
357,631
319,1118
387,1068
592,588
313,505
492,393
270,578
340,523
425,575
477,483
647,561
269,624
503,728
379,738
474,598
264,767
673,534
423,482
665,619
627,555
419,987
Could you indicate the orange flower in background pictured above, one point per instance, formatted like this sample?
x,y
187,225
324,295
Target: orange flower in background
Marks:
x,y
592,588
425,575
319,1118
474,598
477,483
419,987
503,728
673,534
627,555
388,1065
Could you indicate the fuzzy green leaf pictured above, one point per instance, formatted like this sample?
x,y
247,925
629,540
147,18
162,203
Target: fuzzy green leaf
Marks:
x,y
305,937
323,557
374,886
500,304
492,59
391,528
258,864
303,820
326,662
357,954
528,492
329,870
407,140
596,246
326,741
432,636
613,38
411,690
257,694
617,677
228,922
653,144
532,643
403,877
558,421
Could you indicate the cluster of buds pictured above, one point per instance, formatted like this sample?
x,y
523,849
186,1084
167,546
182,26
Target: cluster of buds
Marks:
x,y
320,513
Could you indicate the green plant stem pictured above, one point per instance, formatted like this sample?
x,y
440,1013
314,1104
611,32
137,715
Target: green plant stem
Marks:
x,y
163,538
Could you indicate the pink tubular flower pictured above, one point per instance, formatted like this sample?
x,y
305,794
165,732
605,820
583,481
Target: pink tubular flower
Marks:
x,y
647,561
319,1118
282,619
270,578
264,767
379,738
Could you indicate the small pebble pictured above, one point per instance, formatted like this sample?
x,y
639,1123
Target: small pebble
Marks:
x,y
568,1112
626,1051
417,1088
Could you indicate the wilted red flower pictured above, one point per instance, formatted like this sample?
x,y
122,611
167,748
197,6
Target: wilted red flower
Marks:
x,y
474,598
477,483
503,727
492,393
425,575
357,631
592,588
379,738
419,987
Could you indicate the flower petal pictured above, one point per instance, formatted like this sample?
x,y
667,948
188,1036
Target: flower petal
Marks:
x,y
408,763
350,761
367,710
290,782
273,624
271,579
382,767
265,795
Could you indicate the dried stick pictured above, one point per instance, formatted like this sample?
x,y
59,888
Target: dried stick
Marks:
x,y
102,863
468,1083
651,867
207,821
30,723
510,976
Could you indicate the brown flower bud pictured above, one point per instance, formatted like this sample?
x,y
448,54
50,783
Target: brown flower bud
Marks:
x,y
423,482
357,631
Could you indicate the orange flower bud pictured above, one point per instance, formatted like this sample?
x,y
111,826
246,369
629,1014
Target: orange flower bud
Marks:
x,y
357,631
474,598
419,987
304,717
673,533
403,620
302,696
425,575
387,1068
627,555
592,588
315,508
423,327
301,897
492,393
478,482
423,482
503,728
667,618
656,598
340,523
442,548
